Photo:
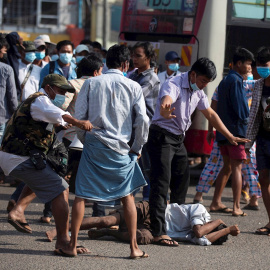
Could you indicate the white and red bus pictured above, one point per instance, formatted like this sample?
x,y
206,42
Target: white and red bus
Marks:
x,y
194,29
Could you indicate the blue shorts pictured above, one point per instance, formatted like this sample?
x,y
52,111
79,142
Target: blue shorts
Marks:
x,y
263,153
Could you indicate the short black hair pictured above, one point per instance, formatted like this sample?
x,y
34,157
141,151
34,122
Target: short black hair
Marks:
x,y
263,55
148,49
97,45
242,54
116,55
86,42
3,43
89,64
62,43
205,67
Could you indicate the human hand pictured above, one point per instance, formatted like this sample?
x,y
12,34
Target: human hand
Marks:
x,y
166,111
133,152
234,230
210,136
235,140
85,125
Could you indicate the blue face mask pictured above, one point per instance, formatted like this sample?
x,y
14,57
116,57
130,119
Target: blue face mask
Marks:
x,y
59,100
79,59
194,86
54,57
30,57
125,74
40,55
65,58
264,72
173,67
250,77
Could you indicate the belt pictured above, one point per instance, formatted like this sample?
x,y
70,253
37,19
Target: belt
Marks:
x,y
166,132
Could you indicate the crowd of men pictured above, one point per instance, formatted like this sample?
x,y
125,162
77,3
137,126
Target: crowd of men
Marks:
x,y
131,123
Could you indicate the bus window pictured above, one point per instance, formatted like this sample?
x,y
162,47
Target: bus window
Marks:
x,y
249,9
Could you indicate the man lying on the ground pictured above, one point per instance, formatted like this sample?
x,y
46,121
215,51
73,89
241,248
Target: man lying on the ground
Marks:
x,y
186,222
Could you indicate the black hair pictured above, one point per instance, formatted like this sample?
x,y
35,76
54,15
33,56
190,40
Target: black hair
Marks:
x,y
148,49
86,42
263,55
62,43
242,54
89,64
97,45
3,43
222,239
205,67
116,55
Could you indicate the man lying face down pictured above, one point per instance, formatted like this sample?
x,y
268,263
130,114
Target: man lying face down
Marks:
x,y
186,222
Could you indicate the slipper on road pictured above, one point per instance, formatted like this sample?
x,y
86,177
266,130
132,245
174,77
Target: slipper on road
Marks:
x,y
251,207
161,242
143,256
263,231
60,252
225,210
20,226
243,214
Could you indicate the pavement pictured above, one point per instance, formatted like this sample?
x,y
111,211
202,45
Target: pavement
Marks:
x,y
33,251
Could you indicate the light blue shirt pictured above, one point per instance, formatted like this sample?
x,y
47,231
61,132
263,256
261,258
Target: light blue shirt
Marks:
x,y
58,70
108,101
185,102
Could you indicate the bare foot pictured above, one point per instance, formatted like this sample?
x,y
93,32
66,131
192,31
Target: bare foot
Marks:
x,y
234,230
11,205
253,201
51,234
45,220
198,196
137,253
218,206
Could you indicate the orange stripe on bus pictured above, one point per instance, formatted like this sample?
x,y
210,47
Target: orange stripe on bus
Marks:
x,y
186,55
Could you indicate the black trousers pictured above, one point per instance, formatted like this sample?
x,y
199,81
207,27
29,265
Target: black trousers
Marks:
x,y
169,168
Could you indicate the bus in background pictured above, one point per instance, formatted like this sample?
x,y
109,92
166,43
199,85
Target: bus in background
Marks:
x,y
194,29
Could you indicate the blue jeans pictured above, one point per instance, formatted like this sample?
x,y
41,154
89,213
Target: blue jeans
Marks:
x,y
2,130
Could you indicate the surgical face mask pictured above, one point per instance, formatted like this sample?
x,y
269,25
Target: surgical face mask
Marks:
x,y
65,58
194,86
250,77
125,74
264,72
79,59
54,57
40,55
59,100
104,61
173,67
30,57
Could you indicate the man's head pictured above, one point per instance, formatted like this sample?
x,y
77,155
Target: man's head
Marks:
x,y
143,53
80,52
97,47
172,60
242,60
3,47
263,62
202,72
41,48
91,65
28,52
56,85
118,57
65,51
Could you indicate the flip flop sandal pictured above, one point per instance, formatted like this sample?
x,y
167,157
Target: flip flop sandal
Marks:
x,y
243,214
60,252
225,210
266,232
143,256
20,226
161,242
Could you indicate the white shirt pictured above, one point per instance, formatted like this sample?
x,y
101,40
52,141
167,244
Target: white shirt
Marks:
x,y
180,220
163,76
32,84
42,109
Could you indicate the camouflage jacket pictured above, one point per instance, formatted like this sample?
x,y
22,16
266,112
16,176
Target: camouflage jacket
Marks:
x,y
23,133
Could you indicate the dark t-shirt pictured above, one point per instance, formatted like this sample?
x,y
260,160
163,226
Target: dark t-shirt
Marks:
x,y
65,71
262,132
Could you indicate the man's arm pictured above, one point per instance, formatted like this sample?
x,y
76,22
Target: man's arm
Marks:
x,y
165,108
216,122
201,230
210,135
11,92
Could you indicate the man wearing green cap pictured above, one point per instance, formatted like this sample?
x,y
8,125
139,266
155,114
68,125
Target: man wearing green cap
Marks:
x,y
29,135
29,74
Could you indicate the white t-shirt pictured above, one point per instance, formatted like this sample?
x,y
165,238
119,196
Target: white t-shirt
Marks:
x,y
42,109
32,84
180,220
163,76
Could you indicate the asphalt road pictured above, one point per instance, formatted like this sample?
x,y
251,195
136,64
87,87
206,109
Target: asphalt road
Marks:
x,y
33,251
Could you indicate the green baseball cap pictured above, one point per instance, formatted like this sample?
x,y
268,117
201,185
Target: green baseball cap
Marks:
x,y
29,46
59,81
